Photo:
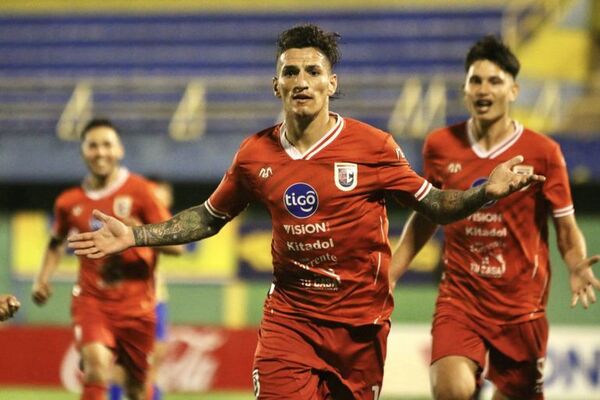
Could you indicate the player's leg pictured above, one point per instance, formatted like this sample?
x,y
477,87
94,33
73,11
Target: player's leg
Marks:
x,y
286,365
357,355
117,381
94,340
453,377
520,375
457,359
135,344
97,360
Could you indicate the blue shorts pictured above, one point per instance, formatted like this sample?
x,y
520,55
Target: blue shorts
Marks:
x,y
162,314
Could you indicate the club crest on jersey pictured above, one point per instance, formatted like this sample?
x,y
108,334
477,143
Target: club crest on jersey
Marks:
x,y
523,170
122,206
345,176
301,200
479,182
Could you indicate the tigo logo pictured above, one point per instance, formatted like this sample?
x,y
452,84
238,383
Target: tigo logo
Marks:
x,y
301,200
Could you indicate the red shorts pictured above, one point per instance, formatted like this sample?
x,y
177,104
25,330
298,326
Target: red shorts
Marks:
x,y
516,352
308,359
131,339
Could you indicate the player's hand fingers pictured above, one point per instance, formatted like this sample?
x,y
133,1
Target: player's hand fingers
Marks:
x,y
101,216
513,161
82,245
591,293
533,178
574,300
77,237
86,251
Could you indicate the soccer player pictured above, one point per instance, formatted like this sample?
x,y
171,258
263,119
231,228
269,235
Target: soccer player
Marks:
x,y
322,178
491,306
114,298
9,305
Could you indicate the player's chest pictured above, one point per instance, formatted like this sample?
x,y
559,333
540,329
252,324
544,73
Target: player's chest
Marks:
x,y
302,184
122,206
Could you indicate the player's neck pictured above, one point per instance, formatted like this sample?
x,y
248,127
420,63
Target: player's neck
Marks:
x,y
305,132
489,133
97,182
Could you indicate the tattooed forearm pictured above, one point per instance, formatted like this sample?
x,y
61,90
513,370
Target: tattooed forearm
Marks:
x,y
445,206
189,225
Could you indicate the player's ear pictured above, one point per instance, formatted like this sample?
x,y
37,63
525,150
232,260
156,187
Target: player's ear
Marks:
x,y
333,82
276,88
514,91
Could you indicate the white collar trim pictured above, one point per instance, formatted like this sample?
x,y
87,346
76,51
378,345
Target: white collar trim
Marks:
x,y
498,148
329,137
98,194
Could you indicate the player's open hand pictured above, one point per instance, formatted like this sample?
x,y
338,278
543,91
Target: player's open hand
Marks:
x,y
583,282
41,292
113,237
503,181
9,305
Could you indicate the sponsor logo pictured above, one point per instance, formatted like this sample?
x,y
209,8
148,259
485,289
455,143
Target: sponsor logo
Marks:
x,y
345,176
454,167
265,172
305,229
399,153
320,283
485,217
494,232
316,245
301,200
479,182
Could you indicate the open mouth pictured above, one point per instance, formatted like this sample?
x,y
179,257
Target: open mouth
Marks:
x,y
483,103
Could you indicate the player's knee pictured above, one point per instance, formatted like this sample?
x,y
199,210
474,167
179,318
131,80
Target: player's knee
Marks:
x,y
135,391
453,390
96,374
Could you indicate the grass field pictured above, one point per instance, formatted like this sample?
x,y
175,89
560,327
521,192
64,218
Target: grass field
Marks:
x,y
13,393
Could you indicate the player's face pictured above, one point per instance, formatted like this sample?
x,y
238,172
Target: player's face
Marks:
x,y
489,90
304,82
102,151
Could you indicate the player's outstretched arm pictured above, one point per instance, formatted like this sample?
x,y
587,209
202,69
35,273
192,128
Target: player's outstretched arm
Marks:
x,y
445,206
114,236
9,305
571,244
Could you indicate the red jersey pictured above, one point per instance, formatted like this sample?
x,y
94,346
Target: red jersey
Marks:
x,y
123,282
496,261
330,247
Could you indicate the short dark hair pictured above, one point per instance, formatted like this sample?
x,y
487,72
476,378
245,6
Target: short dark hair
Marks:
x,y
493,49
95,123
309,35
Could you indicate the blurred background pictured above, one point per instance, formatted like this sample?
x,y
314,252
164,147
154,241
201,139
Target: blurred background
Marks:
x,y
186,81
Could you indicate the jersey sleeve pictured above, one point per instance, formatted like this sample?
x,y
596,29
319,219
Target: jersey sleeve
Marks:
x,y
429,164
556,189
396,174
152,210
60,226
232,195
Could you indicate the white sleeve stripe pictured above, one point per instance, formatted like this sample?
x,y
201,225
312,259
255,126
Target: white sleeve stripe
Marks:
x,y
212,211
423,190
563,209
563,213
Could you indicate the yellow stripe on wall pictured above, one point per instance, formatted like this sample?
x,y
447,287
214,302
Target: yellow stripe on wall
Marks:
x,y
235,297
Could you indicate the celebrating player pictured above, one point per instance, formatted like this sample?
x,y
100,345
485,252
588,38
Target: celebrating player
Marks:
x,y
323,178
494,288
114,298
